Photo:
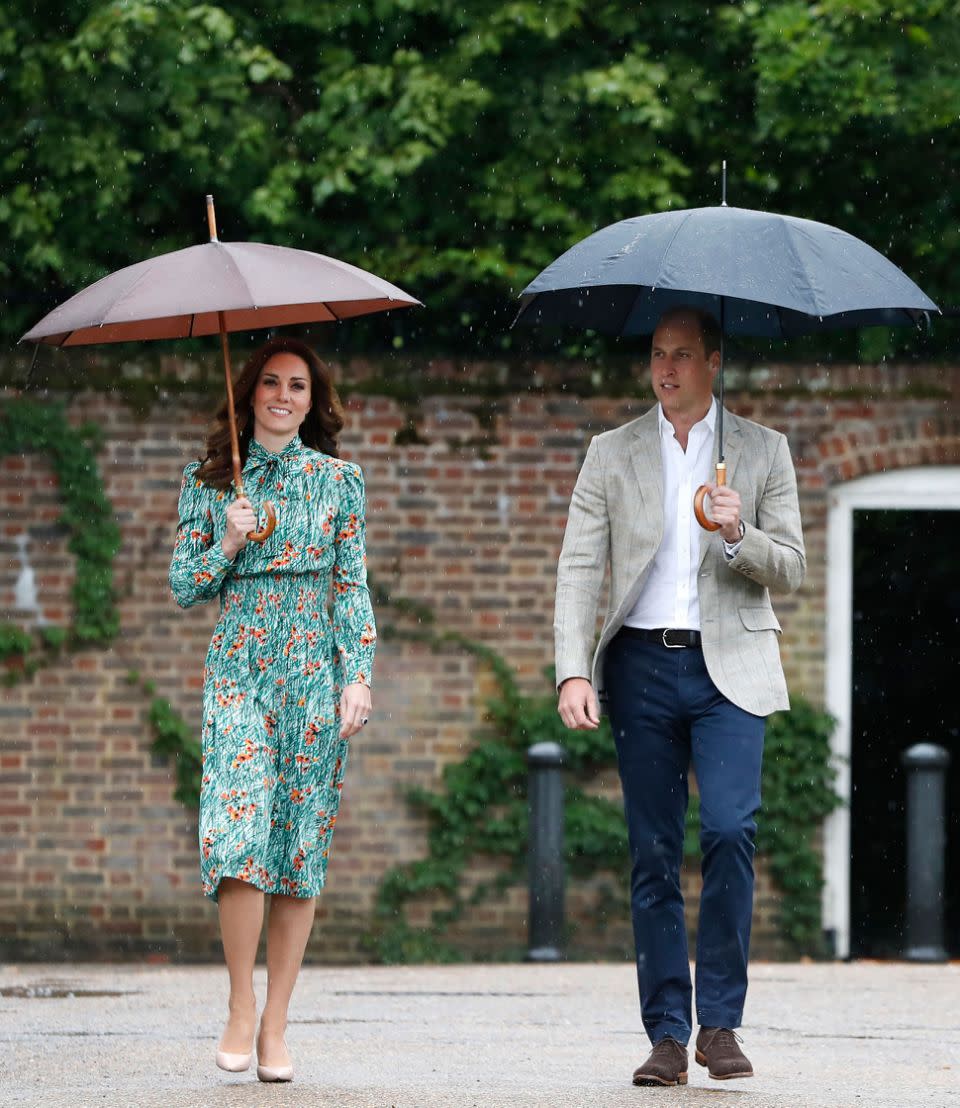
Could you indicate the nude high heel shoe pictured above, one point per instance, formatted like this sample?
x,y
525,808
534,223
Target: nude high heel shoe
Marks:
x,y
234,1063
275,1073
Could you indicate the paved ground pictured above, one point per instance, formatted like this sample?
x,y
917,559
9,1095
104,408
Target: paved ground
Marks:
x,y
830,1036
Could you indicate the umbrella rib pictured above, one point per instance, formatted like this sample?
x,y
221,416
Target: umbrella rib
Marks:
x,y
631,306
238,271
128,291
801,265
666,249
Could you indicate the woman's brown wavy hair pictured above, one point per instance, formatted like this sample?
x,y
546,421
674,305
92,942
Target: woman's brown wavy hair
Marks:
x,y
320,430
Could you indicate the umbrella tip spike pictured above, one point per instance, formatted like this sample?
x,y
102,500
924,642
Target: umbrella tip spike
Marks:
x,y
723,194
211,219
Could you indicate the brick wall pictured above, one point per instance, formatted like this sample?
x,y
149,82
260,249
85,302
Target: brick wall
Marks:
x,y
96,857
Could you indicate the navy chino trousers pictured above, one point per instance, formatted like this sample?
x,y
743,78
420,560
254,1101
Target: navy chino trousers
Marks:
x,y
667,714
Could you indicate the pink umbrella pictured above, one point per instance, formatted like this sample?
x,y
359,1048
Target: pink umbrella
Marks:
x,y
217,288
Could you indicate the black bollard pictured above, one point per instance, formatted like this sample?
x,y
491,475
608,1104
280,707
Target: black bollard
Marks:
x,y
546,869
926,766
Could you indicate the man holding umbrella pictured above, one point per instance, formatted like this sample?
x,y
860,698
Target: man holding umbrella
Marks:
x,y
688,666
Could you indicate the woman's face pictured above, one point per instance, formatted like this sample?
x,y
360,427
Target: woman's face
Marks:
x,y
281,399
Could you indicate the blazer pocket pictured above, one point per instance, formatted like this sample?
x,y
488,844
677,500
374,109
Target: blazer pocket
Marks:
x,y
759,619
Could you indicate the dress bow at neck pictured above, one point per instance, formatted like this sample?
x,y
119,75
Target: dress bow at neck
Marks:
x,y
258,456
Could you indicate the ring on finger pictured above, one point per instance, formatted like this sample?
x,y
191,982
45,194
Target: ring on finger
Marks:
x,y
364,721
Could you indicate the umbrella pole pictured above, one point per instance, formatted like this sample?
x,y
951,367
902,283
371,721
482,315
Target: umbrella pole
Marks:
x,y
701,494
231,413
227,368
721,464
253,536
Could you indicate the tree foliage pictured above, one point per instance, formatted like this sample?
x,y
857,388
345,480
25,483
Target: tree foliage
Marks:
x,y
457,149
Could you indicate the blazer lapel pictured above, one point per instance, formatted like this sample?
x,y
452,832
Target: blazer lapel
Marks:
x,y
648,470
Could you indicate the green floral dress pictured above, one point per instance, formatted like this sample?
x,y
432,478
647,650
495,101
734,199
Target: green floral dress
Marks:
x,y
273,760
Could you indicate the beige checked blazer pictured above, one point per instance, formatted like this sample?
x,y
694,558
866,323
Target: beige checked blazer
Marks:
x,y
616,516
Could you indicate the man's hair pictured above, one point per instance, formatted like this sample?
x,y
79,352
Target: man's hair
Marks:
x,y
709,327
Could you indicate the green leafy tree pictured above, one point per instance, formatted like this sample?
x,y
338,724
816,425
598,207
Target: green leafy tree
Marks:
x,y
458,148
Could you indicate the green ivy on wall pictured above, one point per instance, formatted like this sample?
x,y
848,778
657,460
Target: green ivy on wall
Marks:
x,y
481,810
29,426
798,795
173,737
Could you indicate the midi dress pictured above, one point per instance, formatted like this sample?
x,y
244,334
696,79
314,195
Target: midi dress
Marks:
x,y
280,655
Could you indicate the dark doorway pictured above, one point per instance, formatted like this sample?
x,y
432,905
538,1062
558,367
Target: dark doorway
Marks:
x,y
906,689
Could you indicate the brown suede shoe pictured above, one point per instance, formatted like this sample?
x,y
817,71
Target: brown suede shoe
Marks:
x,y
667,1065
717,1049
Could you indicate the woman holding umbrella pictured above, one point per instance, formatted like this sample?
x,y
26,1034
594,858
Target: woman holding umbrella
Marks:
x,y
286,682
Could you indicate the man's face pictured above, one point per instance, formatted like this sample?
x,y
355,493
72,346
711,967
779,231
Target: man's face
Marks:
x,y
681,373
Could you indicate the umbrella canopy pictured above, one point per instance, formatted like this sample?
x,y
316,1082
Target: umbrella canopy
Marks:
x,y
182,295
214,289
762,274
759,273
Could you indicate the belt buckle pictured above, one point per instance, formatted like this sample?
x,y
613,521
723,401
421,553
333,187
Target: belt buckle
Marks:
x,y
671,645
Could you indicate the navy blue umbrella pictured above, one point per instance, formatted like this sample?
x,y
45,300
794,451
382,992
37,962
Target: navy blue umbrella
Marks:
x,y
759,273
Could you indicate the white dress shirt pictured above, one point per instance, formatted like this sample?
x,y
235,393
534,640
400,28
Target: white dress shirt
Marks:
x,y
669,597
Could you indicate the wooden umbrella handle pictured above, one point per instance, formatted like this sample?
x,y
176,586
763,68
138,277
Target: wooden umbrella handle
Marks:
x,y
269,511
701,494
262,536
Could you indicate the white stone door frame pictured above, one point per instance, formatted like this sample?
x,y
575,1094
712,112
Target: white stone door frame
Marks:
x,y
924,488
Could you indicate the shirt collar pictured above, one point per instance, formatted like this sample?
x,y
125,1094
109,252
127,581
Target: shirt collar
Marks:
x,y
710,419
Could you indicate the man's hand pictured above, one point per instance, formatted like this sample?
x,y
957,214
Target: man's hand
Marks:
x,y
725,510
578,705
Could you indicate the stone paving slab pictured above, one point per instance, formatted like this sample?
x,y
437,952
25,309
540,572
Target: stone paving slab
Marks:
x,y
870,1035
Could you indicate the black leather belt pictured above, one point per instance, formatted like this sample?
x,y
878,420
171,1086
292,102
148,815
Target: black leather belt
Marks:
x,y
674,638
